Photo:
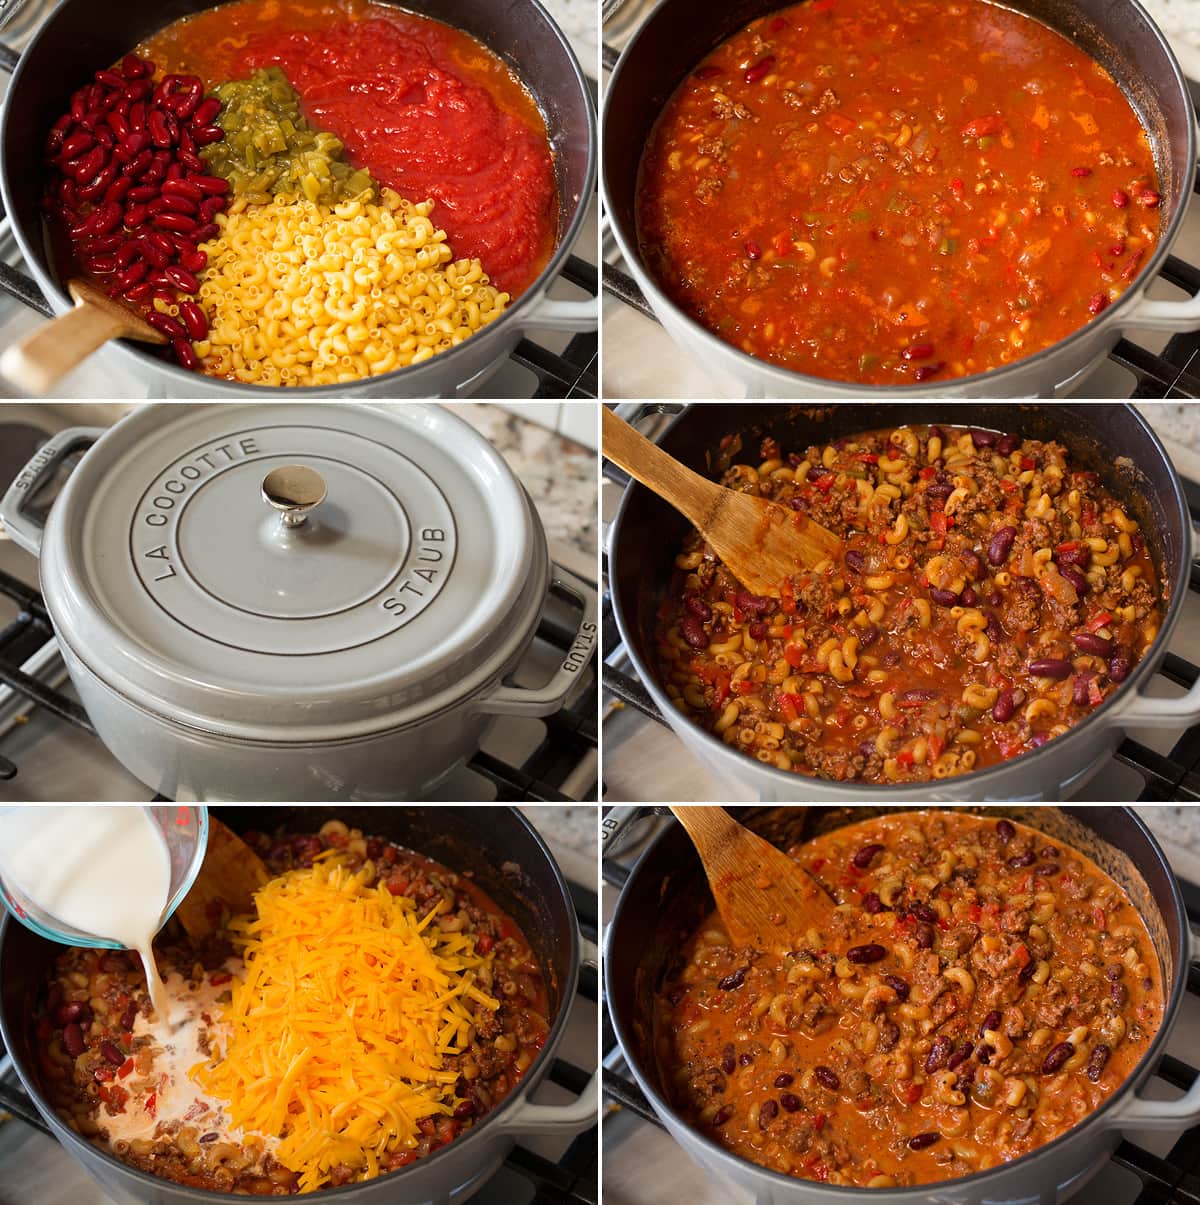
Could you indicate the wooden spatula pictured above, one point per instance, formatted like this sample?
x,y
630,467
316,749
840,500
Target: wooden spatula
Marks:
x,y
765,899
232,872
43,358
760,543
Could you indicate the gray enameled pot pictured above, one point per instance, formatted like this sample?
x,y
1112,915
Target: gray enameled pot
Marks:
x,y
81,36
1118,33
480,839
1112,439
360,654
668,883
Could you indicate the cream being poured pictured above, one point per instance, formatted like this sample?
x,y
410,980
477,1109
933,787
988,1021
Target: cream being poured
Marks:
x,y
102,870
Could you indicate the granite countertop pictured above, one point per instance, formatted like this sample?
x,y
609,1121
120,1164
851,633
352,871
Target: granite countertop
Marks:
x,y
560,475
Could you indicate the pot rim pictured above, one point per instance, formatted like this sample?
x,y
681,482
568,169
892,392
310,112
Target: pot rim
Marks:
x,y
525,305
527,599
805,385
920,1192
1107,715
528,1082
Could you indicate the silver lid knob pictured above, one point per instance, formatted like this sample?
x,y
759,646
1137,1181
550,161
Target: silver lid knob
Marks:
x,y
293,490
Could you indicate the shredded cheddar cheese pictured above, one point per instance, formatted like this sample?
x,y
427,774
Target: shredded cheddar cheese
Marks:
x,y
338,1031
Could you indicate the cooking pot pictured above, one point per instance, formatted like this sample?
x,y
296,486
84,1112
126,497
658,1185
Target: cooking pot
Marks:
x,y
1112,439
1117,33
294,600
80,36
508,860
668,885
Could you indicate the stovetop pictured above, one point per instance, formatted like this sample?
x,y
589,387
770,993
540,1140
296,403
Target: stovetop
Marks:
x,y
642,361
48,753
34,1170
644,760
643,1165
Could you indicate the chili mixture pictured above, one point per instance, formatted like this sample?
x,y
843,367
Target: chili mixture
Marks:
x,y
989,596
105,1068
978,990
897,191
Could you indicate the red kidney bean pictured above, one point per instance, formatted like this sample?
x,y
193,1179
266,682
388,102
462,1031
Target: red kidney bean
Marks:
x,y
938,1054
107,218
175,221
118,189
871,902
180,243
994,630
102,246
210,208
899,986
757,631
176,203
85,169
111,1054
73,1040
76,1010
183,188
992,1020
861,955
693,632
722,1115
75,146
210,184
78,107
142,192
961,1053
1006,445
728,1062
1095,1067
104,180
183,280
918,351
826,1077
171,327
174,172
923,911
155,255
753,604
698,607
99,264
1005,831
160,281
1080,693
1001,544
1071,574
923,936
206,112
156,124
1091,643
137,119
140,164
983,439
185,105
943,598
134,67
918,1142
110,79
939,489
760,70
1119,994
869,635
768,1111
784,1079
968,597
925,371
130,275
731,982
119,124
789,1101
1047,870
67,191
744,1060
206,135
1056,1056
191,161
1148,198
211,230
92,118
185,353
161,293
139,293
865,856
1119,664
1020,861
136,215
1050,667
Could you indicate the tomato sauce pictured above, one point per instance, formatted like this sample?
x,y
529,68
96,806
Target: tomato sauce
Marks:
x,y
426,109
897,191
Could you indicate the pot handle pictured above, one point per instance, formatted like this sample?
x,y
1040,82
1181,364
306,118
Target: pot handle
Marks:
x,y
25,530
573,1118
1148,315
1146,711
1138,1113
547,699
551,314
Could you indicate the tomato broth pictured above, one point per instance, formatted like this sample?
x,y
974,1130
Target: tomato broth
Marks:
x,y
425,108
897,191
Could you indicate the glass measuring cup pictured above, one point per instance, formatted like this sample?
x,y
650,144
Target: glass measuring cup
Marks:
x,y
185,832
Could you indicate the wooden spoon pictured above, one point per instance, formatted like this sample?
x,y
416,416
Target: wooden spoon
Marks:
x,y
761,543
43,358
765,899
232,872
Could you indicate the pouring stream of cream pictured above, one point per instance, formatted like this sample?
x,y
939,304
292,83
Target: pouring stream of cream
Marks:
x,y
102,870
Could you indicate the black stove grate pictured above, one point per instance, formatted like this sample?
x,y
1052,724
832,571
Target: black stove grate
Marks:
x,y
1172,374
570,734
1172,777
1173,1180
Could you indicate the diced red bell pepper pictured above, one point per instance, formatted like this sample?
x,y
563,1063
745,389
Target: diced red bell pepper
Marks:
x,y
126,1068
1100,620
982,127
793,656
791,706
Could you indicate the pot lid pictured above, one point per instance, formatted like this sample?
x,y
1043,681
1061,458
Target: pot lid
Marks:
x,y
315,567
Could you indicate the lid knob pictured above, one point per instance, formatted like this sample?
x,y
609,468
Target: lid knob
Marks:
x,y
293,490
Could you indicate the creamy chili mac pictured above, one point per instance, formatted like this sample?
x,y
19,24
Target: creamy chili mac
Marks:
x,y
978,990
989,596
